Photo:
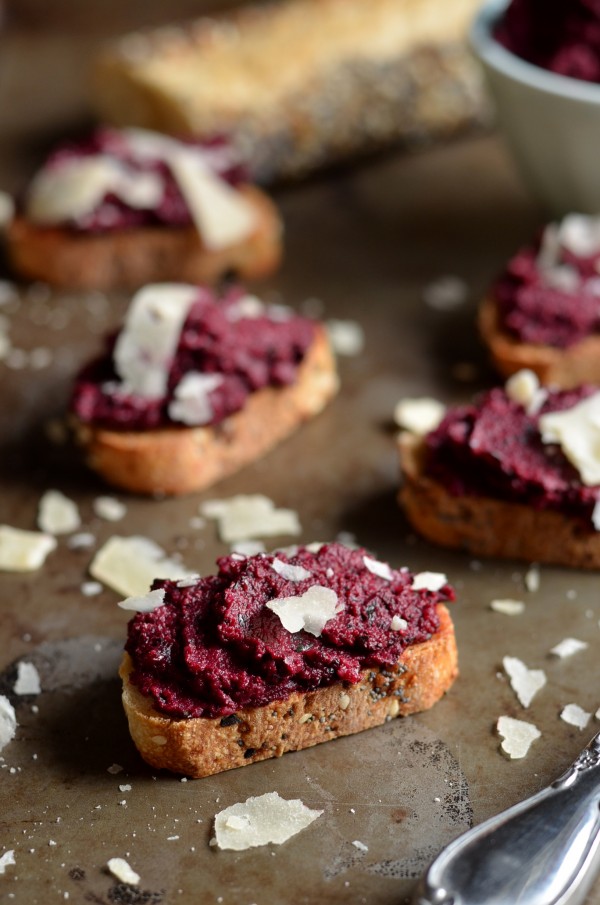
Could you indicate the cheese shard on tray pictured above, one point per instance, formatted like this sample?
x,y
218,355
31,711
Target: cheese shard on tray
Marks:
x,y
260,820
517,736
23,551
250,516
129,565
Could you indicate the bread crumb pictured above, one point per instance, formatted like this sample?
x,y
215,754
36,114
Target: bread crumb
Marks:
x,y
575,716
517,735
567,647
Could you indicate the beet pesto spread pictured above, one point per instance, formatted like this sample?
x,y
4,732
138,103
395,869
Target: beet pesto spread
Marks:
x,y
216,647
494,448
232,346
562,36
549,293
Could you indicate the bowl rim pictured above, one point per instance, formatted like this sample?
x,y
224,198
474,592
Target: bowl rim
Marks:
x,y
497,57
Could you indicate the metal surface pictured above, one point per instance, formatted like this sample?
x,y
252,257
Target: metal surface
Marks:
x,y
365,242
542,851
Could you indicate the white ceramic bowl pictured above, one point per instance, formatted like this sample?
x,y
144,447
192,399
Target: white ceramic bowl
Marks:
x,y
552,122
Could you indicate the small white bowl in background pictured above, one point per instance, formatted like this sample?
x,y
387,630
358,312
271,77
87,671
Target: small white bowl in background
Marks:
x,y
551,122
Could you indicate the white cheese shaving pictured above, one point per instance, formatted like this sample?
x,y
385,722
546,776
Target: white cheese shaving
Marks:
x,y
596,515
310,611
23,551
567,647
91,588
360,845
508,607
260,820
517,735
7,859
532,579
575,715
577,431
246,548
189,582
109,508
289,571
524,682
192,404
524,389
120,869
28,679
429,581
8,721
346,337
398,624
146,603
580,234
82,541
57,513
446,293
248,516
129,565
381,569
148,341
249,307
419,416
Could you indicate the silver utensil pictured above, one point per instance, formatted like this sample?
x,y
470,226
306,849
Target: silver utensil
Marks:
x,y
543,851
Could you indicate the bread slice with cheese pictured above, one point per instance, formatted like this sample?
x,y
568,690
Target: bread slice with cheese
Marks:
x,y
199,746
299,84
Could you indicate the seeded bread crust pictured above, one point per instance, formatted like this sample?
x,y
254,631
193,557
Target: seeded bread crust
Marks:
x,y
177,460
126,259
487,527
565,368
202,746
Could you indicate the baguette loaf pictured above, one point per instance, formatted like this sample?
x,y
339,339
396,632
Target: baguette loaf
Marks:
x,y
565,368
177,460
490,527
299,84
130,258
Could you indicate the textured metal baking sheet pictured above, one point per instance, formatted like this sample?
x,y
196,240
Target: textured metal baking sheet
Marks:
x,y
364,243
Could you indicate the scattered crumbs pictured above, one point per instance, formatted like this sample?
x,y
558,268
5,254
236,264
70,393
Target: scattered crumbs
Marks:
x,y
91,588
83,540
248,547
28,679
567,647
346,337
120,869
524,682
508,607
6,860
445,293
57,514
249,516
266,818
126,787
517,736
360,845
109,508
532,579
575,716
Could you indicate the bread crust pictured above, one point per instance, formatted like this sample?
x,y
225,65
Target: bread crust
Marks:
x,y
488,527
565,368
202,746
134,257
176,460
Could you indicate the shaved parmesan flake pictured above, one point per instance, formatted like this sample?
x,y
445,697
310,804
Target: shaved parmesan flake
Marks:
x,y
398,624
91,588
517,735
129,565
192,404
145,604
596,515
57,513
419,416
290,572
120,869
346,337
23,551
249,307
524,682
567,647
429,581
82,541
575,715
532,579
580,234
28,679
310,611
109,508
7,859
508,607
381,569
258,821
577,432
246,548
360,845
242,517
524,389
188,582
8,721
148,341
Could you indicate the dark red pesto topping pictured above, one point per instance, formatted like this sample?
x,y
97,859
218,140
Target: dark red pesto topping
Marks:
x,y
115,214
560,35
493,448
534,312
249,353
214,648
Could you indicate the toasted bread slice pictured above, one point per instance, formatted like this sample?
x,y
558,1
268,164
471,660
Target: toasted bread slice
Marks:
x,y
490,527
202,746
130,258
565,368
176,460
